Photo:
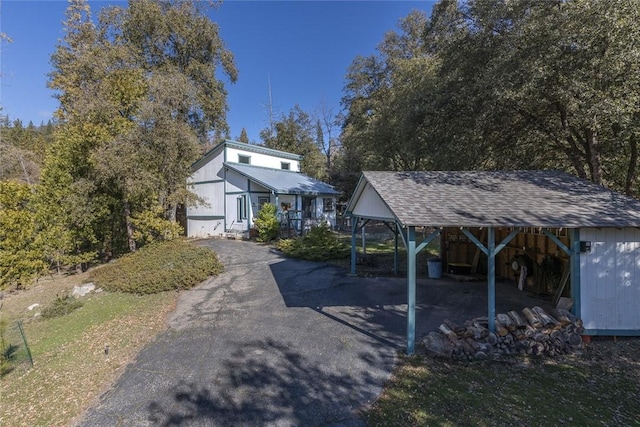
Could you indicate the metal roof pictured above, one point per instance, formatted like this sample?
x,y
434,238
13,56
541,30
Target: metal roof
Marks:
x,y
282,181
551,199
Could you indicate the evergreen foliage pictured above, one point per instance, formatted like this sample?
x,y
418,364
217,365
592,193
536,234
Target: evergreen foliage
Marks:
x,y
267,223
296,133
171,265
523,84
61,306
21,258
320,244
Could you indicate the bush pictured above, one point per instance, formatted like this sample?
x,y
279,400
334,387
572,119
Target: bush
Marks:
x,y
61,306
267,223
171,265
320,244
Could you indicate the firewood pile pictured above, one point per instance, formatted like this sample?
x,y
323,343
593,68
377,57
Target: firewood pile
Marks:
x,y
533,332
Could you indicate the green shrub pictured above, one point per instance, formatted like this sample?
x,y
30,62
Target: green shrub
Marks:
x,y
175,264
151,226
61,306
267,223
320,244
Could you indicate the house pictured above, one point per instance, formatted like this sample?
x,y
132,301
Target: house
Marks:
x,y
500,217
235,179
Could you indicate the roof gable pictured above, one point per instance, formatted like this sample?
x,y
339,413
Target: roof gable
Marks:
x,y
498,198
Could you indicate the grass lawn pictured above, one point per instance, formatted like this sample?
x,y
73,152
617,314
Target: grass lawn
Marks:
x,y
599,387
71,369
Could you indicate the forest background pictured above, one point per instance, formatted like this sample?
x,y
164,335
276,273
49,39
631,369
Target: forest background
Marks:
x,y
473,85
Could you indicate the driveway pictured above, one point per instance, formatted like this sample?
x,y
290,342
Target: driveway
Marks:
x,y
281,342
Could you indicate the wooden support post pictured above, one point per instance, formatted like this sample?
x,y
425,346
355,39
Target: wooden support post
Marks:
x,y
574,261
491,277
411,289
395,251
354,227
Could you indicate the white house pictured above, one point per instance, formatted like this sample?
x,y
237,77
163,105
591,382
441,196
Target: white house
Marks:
x,y
235,179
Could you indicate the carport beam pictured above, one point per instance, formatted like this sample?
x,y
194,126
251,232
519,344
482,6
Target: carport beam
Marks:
x,y
354,228
491,279
411,289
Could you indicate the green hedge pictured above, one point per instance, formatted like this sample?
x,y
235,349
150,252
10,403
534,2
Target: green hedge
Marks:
x,y
320,244
176,264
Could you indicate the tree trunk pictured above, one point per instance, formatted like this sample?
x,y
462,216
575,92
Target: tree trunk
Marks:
x,y
595,166
127,218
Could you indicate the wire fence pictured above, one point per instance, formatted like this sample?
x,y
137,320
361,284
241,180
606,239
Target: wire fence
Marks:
x,y
15,354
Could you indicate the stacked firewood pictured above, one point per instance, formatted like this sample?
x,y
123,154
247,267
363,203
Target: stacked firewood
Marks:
x,y
533,332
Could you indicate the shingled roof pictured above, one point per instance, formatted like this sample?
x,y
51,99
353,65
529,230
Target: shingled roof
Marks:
x,y
488,199
283,181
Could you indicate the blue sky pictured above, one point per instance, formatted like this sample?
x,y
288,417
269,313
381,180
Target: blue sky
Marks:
x,y
303,47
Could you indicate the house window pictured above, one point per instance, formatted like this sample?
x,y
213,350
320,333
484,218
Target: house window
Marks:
x,y
285,165
242,208
244,159
327,204
262,201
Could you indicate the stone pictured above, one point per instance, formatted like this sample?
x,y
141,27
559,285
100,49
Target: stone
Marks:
x,y
438,345
80,291
32,306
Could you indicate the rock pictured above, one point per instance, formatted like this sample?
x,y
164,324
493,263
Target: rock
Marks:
x,y
32,306
438,345
80,291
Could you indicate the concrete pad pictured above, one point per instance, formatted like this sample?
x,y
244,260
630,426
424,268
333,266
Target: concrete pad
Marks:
x,y
281,342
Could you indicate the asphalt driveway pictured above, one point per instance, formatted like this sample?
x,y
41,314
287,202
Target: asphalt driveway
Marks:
x,y
281,342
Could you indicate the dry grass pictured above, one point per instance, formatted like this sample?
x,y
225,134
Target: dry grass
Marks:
x,y
71,368
598,387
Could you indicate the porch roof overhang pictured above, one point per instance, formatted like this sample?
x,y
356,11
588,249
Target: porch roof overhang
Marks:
x,y
512,199
282,181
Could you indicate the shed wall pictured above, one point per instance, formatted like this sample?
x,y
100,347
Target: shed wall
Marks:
x,y
610,281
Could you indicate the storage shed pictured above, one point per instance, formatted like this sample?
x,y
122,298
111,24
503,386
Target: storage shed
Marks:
x,y
594,229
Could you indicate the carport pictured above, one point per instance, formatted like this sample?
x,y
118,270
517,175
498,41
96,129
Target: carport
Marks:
x,y
507,201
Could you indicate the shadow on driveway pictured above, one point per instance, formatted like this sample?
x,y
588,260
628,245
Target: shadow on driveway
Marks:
x,y
281,342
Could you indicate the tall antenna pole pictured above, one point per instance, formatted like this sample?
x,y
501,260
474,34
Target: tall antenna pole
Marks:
x,y
270,107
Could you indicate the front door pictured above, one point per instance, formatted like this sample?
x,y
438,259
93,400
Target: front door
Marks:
x,y
308,207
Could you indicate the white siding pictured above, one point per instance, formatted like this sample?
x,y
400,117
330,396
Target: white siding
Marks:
x,y
210,171
610,279
263,160
371,205
204,228
213,195
236,182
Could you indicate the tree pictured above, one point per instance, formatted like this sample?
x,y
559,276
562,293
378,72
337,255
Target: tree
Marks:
x,y
502,85
388,98
138,94
20,257
243,136
294,133
551,82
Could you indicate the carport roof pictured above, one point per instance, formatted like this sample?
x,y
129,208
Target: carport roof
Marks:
x,y
551,199
283,181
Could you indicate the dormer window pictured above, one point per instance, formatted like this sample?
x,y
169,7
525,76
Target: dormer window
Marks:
x,y
285,165
244,159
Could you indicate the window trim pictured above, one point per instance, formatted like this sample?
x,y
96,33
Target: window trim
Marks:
x,y
242,211
242,157
324,204
285,166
